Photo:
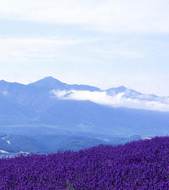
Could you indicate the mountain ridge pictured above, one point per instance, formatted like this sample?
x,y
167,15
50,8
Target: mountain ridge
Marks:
x,y
114,97
49,80
78,109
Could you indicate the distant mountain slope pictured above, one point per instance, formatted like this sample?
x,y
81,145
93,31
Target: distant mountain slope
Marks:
x,y
83,108
138,165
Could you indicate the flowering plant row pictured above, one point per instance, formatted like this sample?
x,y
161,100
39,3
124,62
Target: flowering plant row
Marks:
x,y
142,165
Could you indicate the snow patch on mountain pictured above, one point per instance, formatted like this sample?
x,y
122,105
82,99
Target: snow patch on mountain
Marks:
x,y
6,139
3,152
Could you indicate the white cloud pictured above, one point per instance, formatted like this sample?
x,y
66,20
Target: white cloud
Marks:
x,y
97,97
20,49
25,48
109,15
117,100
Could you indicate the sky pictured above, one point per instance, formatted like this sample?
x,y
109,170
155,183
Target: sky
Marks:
x,y
106,43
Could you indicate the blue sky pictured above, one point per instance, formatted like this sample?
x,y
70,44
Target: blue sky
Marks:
x,y
99,42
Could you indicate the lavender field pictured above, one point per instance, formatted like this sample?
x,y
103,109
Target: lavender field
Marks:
x,y
141,165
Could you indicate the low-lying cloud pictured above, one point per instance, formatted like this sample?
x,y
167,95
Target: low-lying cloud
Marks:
x,y
117,100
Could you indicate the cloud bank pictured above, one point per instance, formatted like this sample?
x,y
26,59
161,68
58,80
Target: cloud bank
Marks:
x,y
117,100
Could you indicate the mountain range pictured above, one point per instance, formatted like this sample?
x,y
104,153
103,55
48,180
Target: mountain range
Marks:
x,y
49,108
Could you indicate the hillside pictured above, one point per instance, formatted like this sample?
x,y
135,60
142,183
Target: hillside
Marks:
x,y
139,165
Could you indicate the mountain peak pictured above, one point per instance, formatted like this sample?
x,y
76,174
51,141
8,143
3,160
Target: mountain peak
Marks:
x,y
52,83
126,91
121,88
48,82
49,79
118,89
